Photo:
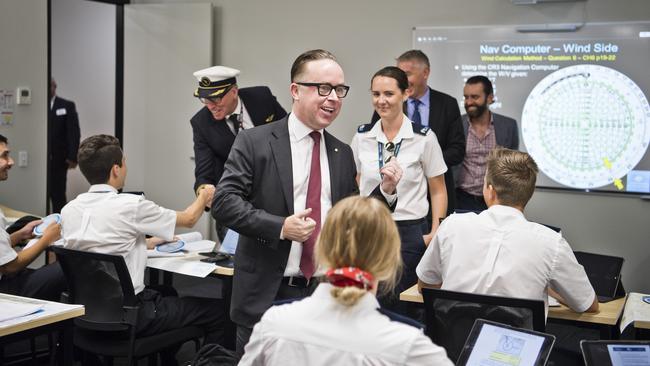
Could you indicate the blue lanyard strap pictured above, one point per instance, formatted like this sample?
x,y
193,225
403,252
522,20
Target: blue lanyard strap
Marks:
x,y
380,152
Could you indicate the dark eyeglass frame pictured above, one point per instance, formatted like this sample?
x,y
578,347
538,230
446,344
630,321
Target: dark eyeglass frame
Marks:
x,y
340,90
216,100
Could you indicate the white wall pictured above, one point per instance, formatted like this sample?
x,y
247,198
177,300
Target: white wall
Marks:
x,y
23,62
83,64
262,38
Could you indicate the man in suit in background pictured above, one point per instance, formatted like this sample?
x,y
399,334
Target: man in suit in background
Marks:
x,y
63,143
484,131
435,110
227,110
279,182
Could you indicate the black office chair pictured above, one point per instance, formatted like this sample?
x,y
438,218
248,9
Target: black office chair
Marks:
x,y
450,315
101,282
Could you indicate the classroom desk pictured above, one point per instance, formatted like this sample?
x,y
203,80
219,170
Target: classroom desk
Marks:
x,y
14,214
54,317
606,317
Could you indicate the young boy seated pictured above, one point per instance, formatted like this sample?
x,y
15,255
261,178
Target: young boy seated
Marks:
x,y
105,221
499,252
15,278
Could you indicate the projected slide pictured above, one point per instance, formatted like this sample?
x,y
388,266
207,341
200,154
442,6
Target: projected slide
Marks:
x,y
586,126
580,98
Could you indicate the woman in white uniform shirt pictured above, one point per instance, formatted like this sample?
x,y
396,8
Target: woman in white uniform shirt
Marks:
x,y
396,142
340,324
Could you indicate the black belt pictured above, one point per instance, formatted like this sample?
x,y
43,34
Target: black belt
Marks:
x,y
299,281
410,222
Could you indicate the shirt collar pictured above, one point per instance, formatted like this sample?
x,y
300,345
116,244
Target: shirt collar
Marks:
x,y
367,302
405,131
424,99
298,130
98,188
238,109
503,210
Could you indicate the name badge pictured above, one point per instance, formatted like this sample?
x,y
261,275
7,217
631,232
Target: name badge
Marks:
x,y
61,112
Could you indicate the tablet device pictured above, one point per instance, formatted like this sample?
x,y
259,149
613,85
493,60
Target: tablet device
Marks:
x,y
53,218
604,273
496,344
615,353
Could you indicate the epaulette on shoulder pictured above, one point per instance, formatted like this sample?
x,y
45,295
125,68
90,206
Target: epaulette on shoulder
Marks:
x,y
419,129
364,128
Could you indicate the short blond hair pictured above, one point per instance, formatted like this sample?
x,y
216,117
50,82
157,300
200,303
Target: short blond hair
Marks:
x,y
360,232
512,174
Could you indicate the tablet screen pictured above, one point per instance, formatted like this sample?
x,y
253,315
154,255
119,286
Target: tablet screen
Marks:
x,y
629,354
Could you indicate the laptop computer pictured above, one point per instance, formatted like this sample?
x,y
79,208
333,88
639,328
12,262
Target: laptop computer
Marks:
x,y
615,353
492,343
604,272
223,254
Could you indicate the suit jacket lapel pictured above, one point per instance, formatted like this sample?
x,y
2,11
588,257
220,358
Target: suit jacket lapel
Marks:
x,y
334,162
431,108
281,149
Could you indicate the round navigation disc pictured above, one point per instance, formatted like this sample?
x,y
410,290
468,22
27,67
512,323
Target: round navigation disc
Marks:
x,y
586,126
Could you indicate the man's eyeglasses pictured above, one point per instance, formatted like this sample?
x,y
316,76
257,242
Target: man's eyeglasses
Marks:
x,y
325,89
216,100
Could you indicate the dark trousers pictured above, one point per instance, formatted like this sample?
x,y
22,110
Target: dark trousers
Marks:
x,y
44,283
285,292
412,250
56,182
160,313
469,202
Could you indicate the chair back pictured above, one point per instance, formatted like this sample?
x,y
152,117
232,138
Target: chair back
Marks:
x,y
450,315
100,282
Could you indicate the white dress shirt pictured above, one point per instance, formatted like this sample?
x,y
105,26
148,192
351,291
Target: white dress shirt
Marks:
x,y
302,146
499,252
319,331
246,122
103,221
419,156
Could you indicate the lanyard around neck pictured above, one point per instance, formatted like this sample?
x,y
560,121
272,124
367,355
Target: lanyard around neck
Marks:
x,y
380,152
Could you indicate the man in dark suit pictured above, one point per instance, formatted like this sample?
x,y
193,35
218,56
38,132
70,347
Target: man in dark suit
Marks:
x,y
435,110
279,182
484,131
63,143
227,109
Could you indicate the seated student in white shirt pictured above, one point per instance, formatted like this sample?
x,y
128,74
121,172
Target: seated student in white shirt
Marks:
x,y
105,221
46,282
340,323
499,252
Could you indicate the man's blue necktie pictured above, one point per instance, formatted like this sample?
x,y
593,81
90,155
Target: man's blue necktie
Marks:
x,y
416,112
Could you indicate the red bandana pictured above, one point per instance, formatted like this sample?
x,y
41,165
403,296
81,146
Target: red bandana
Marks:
x,y
349,276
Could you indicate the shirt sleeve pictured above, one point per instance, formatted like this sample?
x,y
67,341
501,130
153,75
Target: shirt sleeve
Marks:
x,y
425,352
569,279
154,220
7,253
433,163
429,270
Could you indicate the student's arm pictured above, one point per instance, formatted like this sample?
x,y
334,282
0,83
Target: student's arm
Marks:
x,y
569,280
193,212
592,308
438,193
26,233
51,234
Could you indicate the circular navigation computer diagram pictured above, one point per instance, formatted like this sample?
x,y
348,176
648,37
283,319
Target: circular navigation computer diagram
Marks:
x,y
586,126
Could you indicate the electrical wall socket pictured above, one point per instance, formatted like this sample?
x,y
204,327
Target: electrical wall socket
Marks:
x,y
22,158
